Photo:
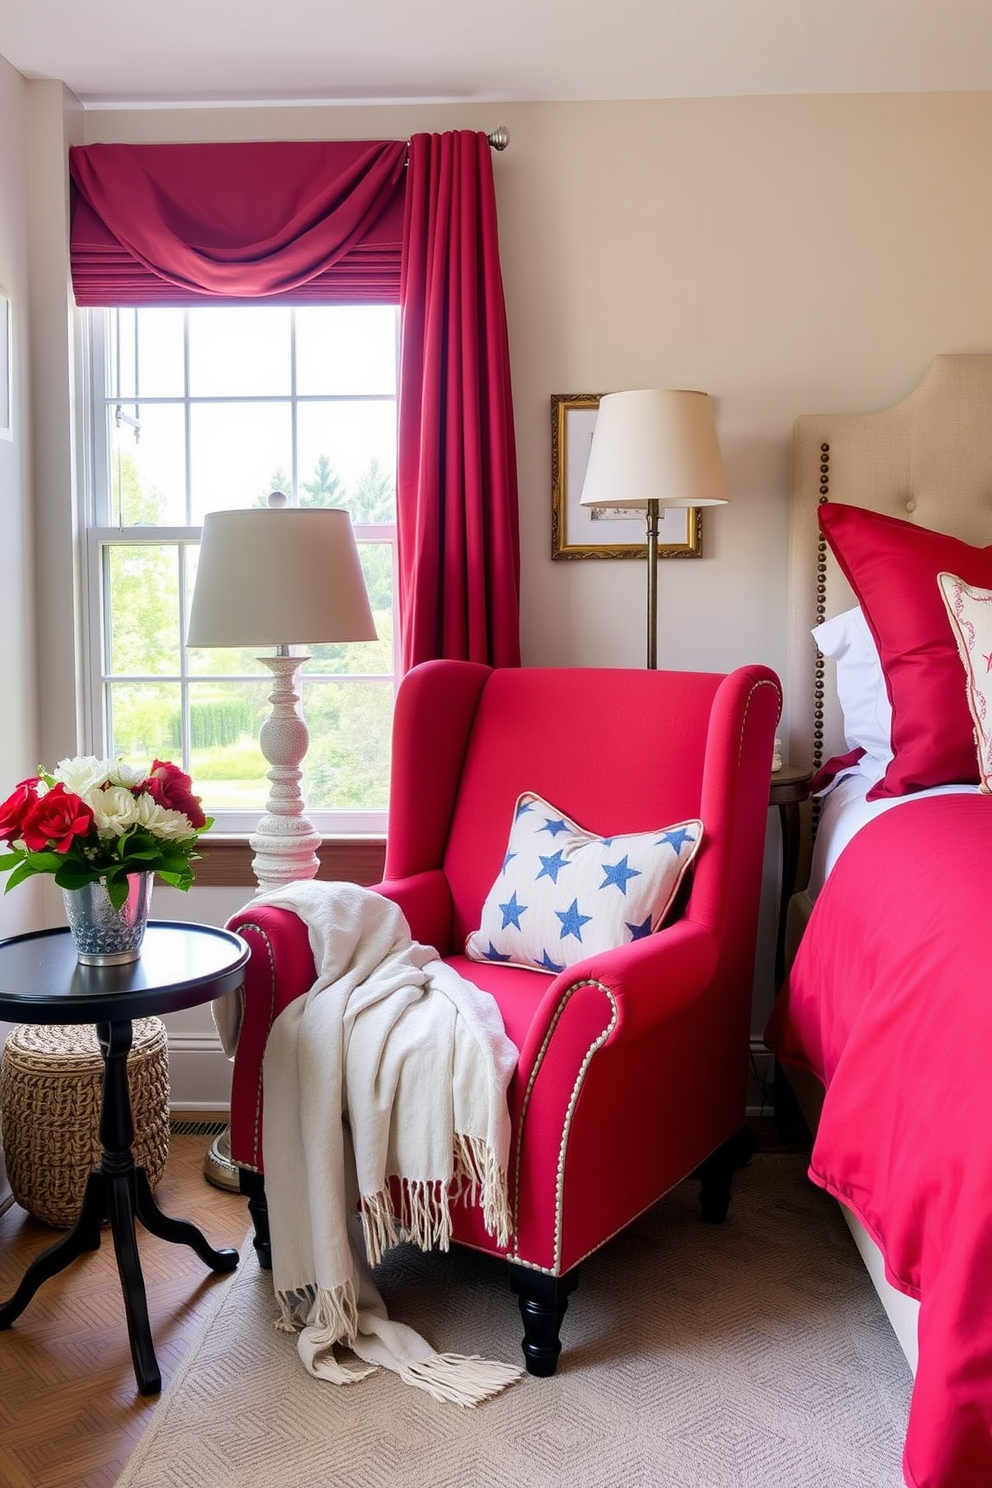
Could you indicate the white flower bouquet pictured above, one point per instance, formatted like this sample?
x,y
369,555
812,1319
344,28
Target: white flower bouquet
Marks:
x,y
91,819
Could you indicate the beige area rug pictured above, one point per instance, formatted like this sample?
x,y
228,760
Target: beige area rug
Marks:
x,y
753,1354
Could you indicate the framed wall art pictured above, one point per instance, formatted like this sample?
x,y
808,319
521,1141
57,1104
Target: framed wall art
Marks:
x,y
587,532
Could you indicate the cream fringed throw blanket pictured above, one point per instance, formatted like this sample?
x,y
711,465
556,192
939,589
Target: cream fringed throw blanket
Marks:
x,y
392,1066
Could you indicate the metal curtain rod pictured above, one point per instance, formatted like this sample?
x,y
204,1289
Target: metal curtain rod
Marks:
x,y
498,138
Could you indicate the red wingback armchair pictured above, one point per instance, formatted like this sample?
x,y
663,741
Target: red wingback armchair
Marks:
x,y
632,1072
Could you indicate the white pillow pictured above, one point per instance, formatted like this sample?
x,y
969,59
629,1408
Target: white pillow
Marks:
x,y
970,613
864,699
564,894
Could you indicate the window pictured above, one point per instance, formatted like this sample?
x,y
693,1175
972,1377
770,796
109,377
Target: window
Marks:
x,y
202,409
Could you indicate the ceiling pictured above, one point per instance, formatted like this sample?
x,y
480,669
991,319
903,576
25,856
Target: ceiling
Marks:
x,y
383,51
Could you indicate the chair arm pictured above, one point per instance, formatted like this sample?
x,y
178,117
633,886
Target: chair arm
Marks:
x,y
279,970
592,1051
649,980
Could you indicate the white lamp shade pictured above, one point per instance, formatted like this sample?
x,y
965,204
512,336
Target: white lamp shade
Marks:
x,y
655,443
274,577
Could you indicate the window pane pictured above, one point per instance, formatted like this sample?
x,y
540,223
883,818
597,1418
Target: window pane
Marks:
x,y
347,454
148,466
239,351
239,453
161,370
347,763
142,586
122,352
145,721
227,662
227,766
346,349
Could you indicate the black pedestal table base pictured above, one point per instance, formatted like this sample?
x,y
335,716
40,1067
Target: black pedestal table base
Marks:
x,y
118,1191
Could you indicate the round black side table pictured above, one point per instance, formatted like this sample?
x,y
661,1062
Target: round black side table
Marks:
x,y
42,982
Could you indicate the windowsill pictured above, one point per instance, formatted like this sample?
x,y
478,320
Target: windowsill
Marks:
x,y
226,861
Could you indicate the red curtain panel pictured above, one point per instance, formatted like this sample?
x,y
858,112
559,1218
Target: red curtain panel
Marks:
x,y
459,549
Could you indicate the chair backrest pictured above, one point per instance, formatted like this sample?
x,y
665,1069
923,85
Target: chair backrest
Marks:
x,y
617,750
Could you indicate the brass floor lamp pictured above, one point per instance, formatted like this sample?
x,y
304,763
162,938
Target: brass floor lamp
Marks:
x,y
654,448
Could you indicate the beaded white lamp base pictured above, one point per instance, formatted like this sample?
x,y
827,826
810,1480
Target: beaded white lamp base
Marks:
x,y
285,841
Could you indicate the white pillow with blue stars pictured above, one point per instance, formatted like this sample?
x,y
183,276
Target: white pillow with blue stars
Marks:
x,y
564,894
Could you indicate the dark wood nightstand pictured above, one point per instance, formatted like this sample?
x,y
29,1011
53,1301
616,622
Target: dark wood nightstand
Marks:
x,y
789,788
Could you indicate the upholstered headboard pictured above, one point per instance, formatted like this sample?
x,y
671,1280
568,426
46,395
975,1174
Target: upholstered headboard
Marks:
x,y
928,460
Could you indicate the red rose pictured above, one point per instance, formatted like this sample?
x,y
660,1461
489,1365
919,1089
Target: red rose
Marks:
x,y
54,820
172,788
14,809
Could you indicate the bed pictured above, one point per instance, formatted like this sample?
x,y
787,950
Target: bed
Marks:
x,y
884,1024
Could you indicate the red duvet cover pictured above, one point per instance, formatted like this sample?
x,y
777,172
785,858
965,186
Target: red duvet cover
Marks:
x,y
889,1004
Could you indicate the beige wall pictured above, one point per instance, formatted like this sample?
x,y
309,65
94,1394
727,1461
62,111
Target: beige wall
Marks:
x,y
787,255
18,734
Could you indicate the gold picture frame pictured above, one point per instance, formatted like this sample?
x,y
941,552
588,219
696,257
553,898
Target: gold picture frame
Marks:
x,y
584,532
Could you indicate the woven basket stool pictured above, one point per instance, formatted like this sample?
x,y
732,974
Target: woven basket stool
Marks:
x,y
51,1084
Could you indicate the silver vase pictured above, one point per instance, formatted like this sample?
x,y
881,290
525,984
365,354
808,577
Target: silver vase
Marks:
x,y
106,936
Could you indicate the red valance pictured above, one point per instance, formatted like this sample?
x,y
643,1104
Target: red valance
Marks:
x,y
298,221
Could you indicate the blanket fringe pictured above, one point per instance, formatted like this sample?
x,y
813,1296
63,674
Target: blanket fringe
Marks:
x,y
462,1379
479,1175
330,1313
425,1212
425,1219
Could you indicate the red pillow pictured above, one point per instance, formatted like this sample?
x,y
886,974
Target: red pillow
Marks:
x,y
892,566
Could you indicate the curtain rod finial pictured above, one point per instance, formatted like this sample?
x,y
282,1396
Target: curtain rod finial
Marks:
x,y
499,138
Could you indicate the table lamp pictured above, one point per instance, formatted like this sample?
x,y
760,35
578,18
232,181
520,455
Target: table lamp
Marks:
x,y
652,448
284,577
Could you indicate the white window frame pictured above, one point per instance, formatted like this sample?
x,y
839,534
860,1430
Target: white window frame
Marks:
x,y
95,502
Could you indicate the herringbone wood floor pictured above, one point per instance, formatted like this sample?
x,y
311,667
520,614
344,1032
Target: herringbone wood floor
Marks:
x,y
70,1412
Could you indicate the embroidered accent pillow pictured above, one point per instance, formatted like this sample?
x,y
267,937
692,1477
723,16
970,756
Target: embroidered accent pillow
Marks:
x,y
892,566
970,612
564,894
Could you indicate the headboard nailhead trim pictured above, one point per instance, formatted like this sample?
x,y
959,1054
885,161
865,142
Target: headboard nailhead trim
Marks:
x,y
819,672
819,675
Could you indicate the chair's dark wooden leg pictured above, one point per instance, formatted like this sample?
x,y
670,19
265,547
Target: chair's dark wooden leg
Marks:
x,y
716,1174
253,1188
543,1300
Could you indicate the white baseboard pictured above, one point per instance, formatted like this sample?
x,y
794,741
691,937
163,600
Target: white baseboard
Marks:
x,y
199,1074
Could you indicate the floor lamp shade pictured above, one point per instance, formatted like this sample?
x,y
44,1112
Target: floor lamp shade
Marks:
x,y
652,448
655,444
279,577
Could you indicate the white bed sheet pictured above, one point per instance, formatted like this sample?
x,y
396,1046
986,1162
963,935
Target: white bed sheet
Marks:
x,y
844,811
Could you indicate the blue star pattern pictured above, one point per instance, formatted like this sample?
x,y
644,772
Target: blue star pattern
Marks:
x,y
511,911
588,895
554,825
572,921
677,837
618,874
552,866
